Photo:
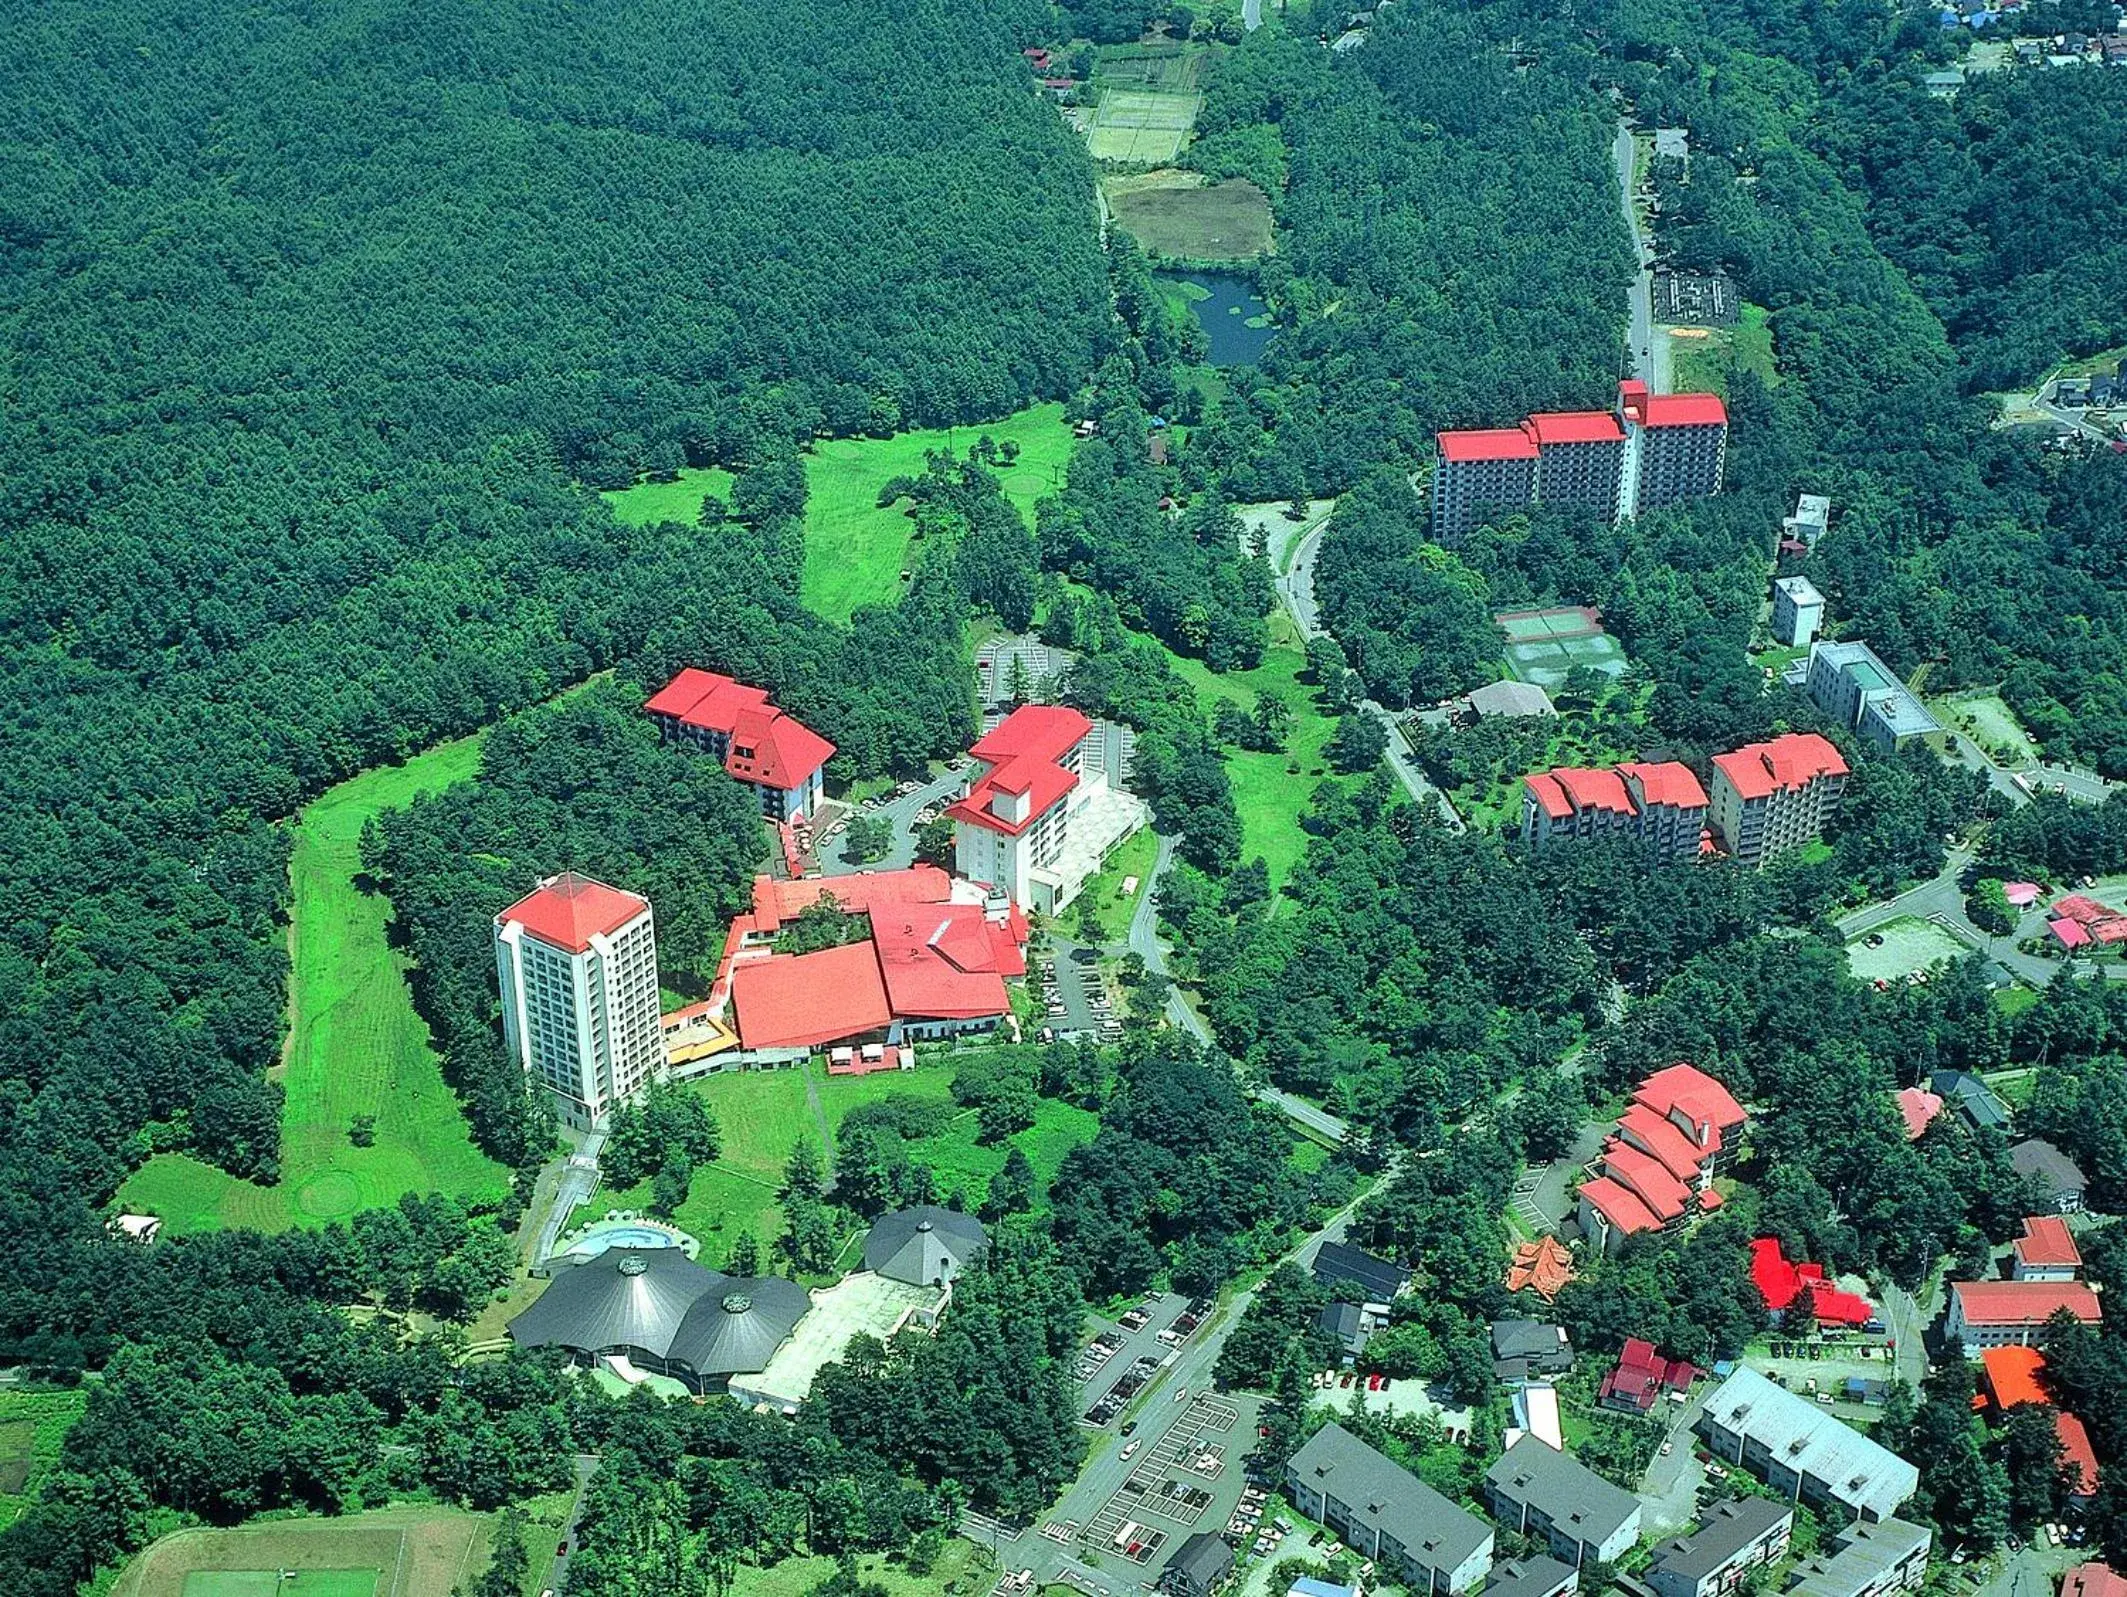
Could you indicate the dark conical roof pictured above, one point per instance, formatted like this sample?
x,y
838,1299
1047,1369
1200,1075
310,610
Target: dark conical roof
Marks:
x,y
924,1246
622,1298
737,1328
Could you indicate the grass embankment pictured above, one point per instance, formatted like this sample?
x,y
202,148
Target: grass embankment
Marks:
x,y
411,1551
764,1114
32,1427
1705,365
793,1577
856,550
355,1044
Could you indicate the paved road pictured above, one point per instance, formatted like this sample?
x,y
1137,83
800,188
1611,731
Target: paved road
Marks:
x,y
562,1186
1670,1486
1974,758
1907,1322
1649,347
900,814
1104,1471
558,1570
1941,900
1251,14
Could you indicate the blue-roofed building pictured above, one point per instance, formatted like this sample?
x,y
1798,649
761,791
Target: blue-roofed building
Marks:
x,y
1308,1586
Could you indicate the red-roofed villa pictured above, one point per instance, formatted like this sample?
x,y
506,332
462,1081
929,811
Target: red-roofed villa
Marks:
x,y
1781,1283
775,754
1657,1171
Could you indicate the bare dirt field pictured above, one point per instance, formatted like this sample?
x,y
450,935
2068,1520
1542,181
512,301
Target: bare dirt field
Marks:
x,y
1178,214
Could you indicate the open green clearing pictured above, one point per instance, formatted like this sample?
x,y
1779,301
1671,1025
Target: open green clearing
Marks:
x,y
32,1427
793,1577
1704,365
765,1113
680,500
1987,719
855,550
1909,944
1104,897
414,1551
1271,790
355,1045
1179,215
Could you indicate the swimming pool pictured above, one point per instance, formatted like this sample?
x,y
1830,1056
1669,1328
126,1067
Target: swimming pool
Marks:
x,y
601,1236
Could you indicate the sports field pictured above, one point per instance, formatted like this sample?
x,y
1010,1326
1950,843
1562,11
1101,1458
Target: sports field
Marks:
x,y
355,1045
1178,214
855,551
32,1427
681,500
1543,645
392,1552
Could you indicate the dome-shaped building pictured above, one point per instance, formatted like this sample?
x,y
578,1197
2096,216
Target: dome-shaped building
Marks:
x,y
924,1246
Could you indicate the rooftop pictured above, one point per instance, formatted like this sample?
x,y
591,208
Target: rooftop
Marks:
x,y
1023,754
1799,590
1863,1555
1340,1262
1507,698
1383,1496
1857,1471
2024,1303
1568,1493
2012,1375
924,1246
1665,782
1917,1107
807,1000
568,910
1553,427
1486,443
1725,1533
2047,1243
1619,1206
2035,1156
1788,763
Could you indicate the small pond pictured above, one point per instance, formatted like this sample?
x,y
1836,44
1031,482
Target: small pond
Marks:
x,y
1231,313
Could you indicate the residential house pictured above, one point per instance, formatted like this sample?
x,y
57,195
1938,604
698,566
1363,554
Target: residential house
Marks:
x,y
1986,1314
1198,1566
2059,1175
1543,1267
1795,1447
1547,1494
1522,1348
1339,1264
2093,1580
1642,1376
1352,1324
1917,1107
1734,1539
1867,1560
1383,1512
2046,1251
1980,1106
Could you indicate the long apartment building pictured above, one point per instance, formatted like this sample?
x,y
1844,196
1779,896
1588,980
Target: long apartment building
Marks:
x,y
1660,806
1771,797
1385,1513
576,962
1796,1448
1848,681
1651,450
775,754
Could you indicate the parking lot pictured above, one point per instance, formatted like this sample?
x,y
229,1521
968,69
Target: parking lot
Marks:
x,y
1188,1479
1120,1359
1076,998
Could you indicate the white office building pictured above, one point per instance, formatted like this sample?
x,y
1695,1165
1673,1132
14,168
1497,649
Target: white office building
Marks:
x,y
576,963
1797,611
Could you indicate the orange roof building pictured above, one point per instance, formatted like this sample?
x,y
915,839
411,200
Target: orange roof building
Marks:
x,y
2011,1376
1774,797
1660,806
1543,1266
775,754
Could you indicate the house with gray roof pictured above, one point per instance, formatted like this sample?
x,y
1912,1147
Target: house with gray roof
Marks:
x,y
1867,1561
1735,1538
2053,1170
924,1246
1544,1493
1978,1103
1197,1567
1522,1348
1533,1577
1385,1513
1795,1447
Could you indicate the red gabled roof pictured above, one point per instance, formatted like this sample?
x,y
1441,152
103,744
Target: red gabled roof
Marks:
x,y
1686,1089
1046,731
2077,1456
569,910
2093,1580
772,749
1550,797
2081,907
1791,761
1485,443
1022,752
1918,1106
2070,933
1553,427
1594,789
1641,1374
775,901
939,962
1619,1206
1666,782
2024,1302
1780,1283
2012,1375
1663,1194
2048,1243
1685,410
719,709
685,691
805,1000
1659,1136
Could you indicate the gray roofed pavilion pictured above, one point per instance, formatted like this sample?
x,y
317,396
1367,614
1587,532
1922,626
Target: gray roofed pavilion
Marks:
x,y
924,1246
736,1328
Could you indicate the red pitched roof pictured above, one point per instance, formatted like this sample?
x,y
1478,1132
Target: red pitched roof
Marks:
x,y
1918,1106
2011,1375
1592,789
1686,410
774,750
1641,1374
805,1000
569,910
719,709
1575,427
776,901
1791,761
1663,1194
1666,782
1686,1090
2024,1302
1486,443
940,962
2070,933
2077,1455
1619,1207
1544,1266
1781,1282
2093,1580
1658,1135
1022,752
1046,731
685,691
2048,1243
1543,787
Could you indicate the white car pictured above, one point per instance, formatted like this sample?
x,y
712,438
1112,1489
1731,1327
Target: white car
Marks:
x,y
1129,1450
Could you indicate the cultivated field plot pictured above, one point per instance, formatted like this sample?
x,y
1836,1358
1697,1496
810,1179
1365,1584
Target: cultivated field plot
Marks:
x,y
1142,127
394,1552
1909,944
1178,214
32,1427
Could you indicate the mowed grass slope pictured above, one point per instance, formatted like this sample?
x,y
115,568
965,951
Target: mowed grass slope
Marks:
x,y
648,503
355,1046
855,550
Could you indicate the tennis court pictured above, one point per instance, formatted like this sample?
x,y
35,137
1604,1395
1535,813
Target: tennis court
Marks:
x,y
393,1552
1145,127
1543,645
1567,621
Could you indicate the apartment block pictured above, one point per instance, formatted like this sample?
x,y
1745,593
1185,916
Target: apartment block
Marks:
x,y
1383,1512
1867,1561
1659,805
1773,797
1552,1497
1478,474
1797,611
1734,1539
1797,1449
1849,683
1675,448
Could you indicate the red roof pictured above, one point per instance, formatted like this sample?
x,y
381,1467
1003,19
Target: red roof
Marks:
x,y
805,1000
2012,1375
2078,907
1666,782
1543,1265
1619,1207
943,962
1022,752
1659,1136
1663,1194
2093,1580
2077,1454
1642,1373
1791,761
775,902
569,910
1543,787
1046,731
772,749
2072,934
1918,1106
2110,931
1780,1283
2048,1244
2024,1302
1552,427
1592,789
685,691
1686,410
1687,1091
1486,443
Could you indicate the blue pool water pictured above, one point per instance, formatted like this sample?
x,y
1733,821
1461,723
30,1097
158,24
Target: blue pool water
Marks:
x,y
599,1240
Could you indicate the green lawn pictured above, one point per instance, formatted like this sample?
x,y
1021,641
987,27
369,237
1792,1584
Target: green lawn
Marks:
x,y
1271,790
953,1573
650,502
2013,1001
1104,894
355,1045
32,1427
1705,364
855,551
